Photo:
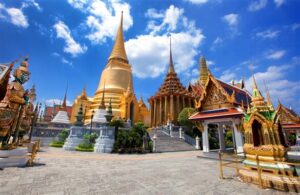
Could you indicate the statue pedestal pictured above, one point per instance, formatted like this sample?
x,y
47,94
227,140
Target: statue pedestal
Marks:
x,y
13,158
106,140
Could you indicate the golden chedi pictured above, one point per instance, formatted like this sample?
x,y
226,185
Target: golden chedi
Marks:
x,y
81,100
117,79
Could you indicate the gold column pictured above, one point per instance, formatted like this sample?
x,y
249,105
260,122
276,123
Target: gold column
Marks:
x,y
151,112
183,102
166,109
154,118
160,110
177,103
190,102
172,108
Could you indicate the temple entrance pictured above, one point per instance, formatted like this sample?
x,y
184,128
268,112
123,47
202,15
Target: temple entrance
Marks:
x,y
222,135
131,112
256,133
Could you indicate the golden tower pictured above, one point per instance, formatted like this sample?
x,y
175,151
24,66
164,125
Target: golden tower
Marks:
x,y
116,80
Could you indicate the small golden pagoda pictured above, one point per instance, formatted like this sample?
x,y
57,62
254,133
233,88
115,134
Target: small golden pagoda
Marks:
x,y
81,100
117,78
265,145
170,99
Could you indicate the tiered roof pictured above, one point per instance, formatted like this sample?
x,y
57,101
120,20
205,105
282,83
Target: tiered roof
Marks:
x,y
171,84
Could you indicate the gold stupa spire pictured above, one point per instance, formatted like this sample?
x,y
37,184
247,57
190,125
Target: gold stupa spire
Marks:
x,y
257,99
203,71
171,65
118,52
102,104
269,101
64,104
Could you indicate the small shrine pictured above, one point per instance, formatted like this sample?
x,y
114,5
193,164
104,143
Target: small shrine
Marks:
x,y
265,146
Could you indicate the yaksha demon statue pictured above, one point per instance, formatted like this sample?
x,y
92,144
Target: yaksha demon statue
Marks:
x,y
15,97
28,113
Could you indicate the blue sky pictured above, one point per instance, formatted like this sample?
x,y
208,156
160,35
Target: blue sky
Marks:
x,y
69,41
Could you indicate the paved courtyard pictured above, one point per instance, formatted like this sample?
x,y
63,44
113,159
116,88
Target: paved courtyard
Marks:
x,y
64,172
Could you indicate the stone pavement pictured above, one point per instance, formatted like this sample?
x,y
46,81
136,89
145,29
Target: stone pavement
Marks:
x,y
64,172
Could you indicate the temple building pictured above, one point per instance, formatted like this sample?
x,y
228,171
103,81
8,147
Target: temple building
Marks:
x,y
220,106
170,99
290,122
5,70
81,100
118,82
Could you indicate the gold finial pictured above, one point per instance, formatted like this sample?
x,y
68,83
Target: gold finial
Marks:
x,y
204,72
269,101
102,103
118,52
171,65
64,104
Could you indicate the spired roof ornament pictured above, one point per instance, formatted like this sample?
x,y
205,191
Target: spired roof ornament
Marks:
x,y
119,52
172,84
258,101
204,72
79,117
102,103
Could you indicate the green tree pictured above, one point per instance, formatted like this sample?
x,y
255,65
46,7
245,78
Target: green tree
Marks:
x,y
183,117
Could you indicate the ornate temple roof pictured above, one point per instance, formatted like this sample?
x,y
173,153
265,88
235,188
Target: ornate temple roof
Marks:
x,y
171,84
5,70
220,113
287,115
119,52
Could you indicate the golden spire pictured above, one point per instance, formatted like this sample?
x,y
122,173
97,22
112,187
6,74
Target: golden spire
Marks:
x,y
171,65
269,102
64,104
102,104
83,93
118,52
257,99
203,71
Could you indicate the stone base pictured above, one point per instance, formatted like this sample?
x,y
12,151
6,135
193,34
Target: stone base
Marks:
x,y
13,158
269,180
72,142
104,144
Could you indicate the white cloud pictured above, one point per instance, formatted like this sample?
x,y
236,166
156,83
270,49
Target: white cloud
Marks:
x,y
257,5
170,19
279,3
29,3
295,26
50,102
149,53
279,87
71,47
231,19
268,34
198,2
16,15
210,62
275,55
77,3
153,13
65,61
216,43
228,75
103,17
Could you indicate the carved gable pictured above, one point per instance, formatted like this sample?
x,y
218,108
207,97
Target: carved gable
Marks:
x,y
286,117
214,98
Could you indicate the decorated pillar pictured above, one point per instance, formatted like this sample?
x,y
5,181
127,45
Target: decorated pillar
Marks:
x,y
166,109
190,102
160,110
221,137
154,117
238,137
183,102
178,104
172,107
205,140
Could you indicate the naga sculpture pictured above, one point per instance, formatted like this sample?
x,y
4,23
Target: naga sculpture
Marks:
x,y
15,98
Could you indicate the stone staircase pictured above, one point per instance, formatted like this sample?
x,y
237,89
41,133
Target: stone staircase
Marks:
x,y
165,143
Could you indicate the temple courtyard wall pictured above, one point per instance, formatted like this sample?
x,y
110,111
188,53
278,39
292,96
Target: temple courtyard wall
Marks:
x,y
68,172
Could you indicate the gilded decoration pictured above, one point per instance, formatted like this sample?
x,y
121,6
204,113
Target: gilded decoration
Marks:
x,y
14,99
